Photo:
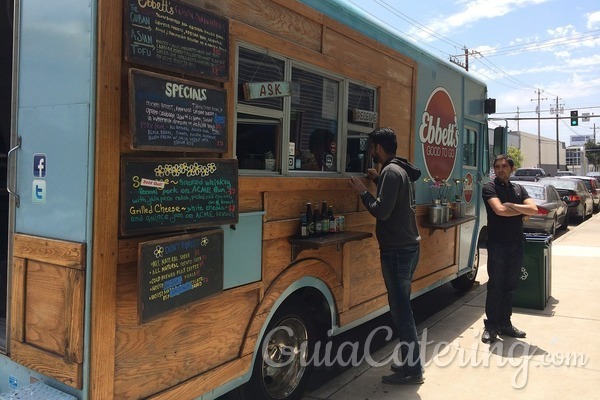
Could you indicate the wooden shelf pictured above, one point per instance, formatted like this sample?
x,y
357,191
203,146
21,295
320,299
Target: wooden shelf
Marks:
x,y
331,239
447,225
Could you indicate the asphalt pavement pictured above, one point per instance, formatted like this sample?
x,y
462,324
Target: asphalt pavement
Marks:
x,y
559,358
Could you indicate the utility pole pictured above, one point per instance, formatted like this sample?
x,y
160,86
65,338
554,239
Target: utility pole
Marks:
x,y
539,92
558,110
518,129
594,128
455,59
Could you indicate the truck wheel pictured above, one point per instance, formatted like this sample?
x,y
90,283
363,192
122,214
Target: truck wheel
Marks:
x,y
281,369
465,282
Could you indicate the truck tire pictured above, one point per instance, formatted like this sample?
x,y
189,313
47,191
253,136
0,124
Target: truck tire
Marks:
x,y
282,367
465,282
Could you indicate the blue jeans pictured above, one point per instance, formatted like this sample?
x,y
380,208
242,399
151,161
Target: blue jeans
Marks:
x,y
504,266
398,267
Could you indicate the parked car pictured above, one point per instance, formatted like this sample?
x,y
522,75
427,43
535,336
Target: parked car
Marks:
x,y
575,194
528,174
593,187
553,212
565,173
594,174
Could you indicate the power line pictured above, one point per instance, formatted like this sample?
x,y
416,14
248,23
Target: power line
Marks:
x,y
482,56
542,44
416,24
502,73
392,28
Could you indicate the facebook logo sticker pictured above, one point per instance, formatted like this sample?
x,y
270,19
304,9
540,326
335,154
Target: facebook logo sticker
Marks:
x,y
39,165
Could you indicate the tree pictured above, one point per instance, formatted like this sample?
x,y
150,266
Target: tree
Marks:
x,y
592,153
516,156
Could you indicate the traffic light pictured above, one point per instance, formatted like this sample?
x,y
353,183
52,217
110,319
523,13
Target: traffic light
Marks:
x,y
574,120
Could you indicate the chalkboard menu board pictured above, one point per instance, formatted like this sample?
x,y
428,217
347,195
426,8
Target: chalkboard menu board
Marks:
x,y
177,193
177,37
173,114
176,271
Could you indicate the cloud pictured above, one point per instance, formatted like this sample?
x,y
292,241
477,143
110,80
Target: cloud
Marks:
x,y
593,20
472,11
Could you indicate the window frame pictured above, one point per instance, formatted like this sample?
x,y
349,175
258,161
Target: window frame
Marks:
x,y
363,130
344,126
472,161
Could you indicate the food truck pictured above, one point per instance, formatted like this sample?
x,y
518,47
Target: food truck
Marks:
x,y
160,155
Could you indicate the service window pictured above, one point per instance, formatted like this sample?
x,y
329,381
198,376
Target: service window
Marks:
x,y
470,147
259,142
259,118
292,118
362,119
314,121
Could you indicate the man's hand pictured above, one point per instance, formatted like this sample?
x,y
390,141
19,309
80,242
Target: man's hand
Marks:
x,y
372,174
357,185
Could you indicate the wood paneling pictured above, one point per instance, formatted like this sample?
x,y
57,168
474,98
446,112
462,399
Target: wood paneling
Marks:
x,y
48,364
47,320
196,348
109,102
179,345
364,269
290,204
438,251
58,252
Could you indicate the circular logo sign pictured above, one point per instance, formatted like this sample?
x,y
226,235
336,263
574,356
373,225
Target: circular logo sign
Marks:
x,y
332,147
468,187
438,133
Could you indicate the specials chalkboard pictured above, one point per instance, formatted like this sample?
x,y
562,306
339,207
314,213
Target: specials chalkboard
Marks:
x,y
177,193
176,271
172,114
177,37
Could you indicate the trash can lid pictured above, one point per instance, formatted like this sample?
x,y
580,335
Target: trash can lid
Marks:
x,y
537,237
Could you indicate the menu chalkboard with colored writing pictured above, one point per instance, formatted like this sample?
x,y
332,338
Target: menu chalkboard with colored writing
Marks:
x,y
172,114
176,271
177,37
177,193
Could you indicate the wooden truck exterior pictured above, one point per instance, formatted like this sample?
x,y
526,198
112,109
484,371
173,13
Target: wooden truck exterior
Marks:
x,y
75,270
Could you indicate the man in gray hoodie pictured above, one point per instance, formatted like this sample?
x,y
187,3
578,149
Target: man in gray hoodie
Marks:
x,y
396,229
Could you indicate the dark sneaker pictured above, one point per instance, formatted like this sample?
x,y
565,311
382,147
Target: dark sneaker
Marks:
x,y
512,331
399,369
401,379
489,335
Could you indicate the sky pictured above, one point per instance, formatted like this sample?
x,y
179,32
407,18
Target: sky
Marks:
x,y
524,50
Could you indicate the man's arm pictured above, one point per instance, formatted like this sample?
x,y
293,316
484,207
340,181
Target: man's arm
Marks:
x,y
501,209
527,208
382,206
511,209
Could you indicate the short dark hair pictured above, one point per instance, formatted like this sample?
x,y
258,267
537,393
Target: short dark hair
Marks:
x,y
386,138
509,160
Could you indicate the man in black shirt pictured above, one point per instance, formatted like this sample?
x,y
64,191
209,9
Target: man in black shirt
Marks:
x,y
506,203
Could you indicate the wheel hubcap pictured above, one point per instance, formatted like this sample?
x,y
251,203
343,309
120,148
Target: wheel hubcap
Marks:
x,y
284,358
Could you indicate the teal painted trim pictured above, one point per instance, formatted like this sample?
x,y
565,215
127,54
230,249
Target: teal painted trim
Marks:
x,y
90,199
336,330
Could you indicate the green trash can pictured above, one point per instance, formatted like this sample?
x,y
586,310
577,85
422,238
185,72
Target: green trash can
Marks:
x,y
534,287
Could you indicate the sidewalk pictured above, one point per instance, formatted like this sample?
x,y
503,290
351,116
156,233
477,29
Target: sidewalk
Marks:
x,y
559,359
